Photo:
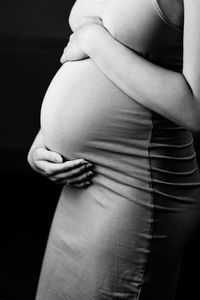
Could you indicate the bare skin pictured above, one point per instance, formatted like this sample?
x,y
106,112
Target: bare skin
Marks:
x,y
171,94
77,173
76,52
174,95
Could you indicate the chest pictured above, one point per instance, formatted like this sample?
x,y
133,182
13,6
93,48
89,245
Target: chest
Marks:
x,y
125,11
149,27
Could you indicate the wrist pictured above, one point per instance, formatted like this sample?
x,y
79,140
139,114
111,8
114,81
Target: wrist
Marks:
x,y
94,35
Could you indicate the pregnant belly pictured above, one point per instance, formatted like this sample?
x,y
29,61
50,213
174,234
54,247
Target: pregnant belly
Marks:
x,y
85,115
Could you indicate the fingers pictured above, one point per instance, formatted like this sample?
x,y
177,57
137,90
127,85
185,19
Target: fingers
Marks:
x,y
82,184
46,155
70,165
78,177
83,169
52,169
81,181
91,20
71,37
71,48
52,162
77,172
82,178
81,175
72,52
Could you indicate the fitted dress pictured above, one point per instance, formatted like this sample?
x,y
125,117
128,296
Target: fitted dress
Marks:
x,y
124,236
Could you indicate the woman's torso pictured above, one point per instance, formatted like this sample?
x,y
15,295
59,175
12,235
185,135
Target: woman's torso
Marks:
x,y
77,100
85,115
128,228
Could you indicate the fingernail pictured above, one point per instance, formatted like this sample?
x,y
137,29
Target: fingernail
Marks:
x,y
63,59
90,173
87,182
59,159
89,165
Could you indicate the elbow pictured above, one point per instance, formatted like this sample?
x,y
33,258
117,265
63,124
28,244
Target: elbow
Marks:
x,y
190,119
194,124
194,98
196,117
195,128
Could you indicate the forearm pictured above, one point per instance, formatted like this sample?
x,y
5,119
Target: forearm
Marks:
x,y
163,91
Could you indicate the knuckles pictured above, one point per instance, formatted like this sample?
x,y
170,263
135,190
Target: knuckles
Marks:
x,y
37,153
49,171
91,19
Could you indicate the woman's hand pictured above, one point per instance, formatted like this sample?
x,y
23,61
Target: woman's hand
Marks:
x,y
76,173
73,51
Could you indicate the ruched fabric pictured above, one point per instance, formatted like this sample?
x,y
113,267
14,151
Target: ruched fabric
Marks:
x,y
124,236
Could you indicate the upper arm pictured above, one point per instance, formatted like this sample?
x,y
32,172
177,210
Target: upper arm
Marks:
x,y
191,55
71,16
80,9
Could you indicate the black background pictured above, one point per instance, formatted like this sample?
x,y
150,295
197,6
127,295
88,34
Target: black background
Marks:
x,y
33,34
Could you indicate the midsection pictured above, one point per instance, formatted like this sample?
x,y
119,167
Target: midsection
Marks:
x,y
85,115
